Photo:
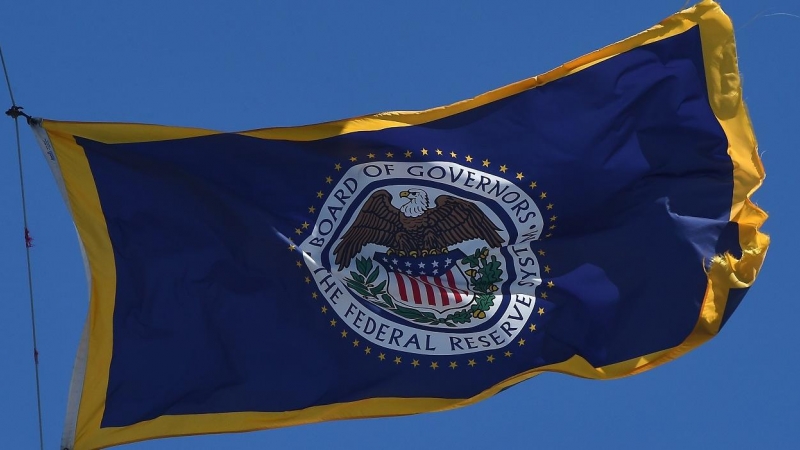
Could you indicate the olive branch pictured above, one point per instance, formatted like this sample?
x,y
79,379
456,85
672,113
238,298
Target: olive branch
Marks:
x,y
483,274
363,283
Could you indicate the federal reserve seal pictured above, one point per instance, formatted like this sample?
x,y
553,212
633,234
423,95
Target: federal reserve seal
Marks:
x,y
427,257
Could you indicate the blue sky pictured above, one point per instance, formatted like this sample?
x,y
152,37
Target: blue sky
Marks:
x,y
243,65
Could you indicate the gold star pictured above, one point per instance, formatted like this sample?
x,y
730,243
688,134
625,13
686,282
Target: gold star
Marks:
x,y
356,342
471,363
552,227
344,333
308,280
305,225
434,365
415,363
547,269
408,153
397,360
490,358
320,194
550,284
292,247
553,218
425,151
544,294
468,158
541,311
298,231
333,322
311,209
520,176
337,166
532,327
453,154
324,310
314,295
299,264
521,342
508,354
503,168
389,155
371,155
486,163
381,356
367,350
550,206
438,152
328,180
453,365
543,195
353,159
541,252
533,184
548,235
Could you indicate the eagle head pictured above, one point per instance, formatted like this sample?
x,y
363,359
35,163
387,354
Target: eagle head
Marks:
x,y
417,202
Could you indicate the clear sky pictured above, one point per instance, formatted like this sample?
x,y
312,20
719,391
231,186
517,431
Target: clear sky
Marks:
x,y
241,65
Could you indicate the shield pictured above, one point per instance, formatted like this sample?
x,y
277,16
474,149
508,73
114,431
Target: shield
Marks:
x,y
433,282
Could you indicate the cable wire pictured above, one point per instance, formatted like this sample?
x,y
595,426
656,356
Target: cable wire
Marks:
x,y
15,111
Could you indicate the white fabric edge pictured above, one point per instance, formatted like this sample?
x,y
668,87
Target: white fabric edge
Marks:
x,y
75,391
79,367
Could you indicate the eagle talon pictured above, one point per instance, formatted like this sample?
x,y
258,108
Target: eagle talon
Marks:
x,y
390,251
401,253
434,252
444,250
412,253
425,253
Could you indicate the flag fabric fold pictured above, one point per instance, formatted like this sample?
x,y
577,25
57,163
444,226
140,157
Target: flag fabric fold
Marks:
x,y
594,220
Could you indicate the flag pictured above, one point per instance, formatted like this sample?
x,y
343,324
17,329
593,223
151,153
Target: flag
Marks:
x,y
594,220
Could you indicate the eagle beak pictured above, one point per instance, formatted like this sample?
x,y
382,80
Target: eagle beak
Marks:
x,y
404,194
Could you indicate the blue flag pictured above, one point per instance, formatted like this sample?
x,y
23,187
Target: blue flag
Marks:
x,y
594,220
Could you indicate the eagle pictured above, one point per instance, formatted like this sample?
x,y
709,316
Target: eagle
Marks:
x,y
416,228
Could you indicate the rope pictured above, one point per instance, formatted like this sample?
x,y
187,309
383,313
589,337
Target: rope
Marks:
x,y
14,112
8,81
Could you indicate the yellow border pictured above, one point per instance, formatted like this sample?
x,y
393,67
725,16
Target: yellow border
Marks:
x,y
725,273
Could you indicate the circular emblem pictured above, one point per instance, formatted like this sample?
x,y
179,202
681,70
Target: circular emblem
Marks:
x,y
427,257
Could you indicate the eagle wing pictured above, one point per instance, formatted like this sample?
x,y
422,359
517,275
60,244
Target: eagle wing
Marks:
x,y
377,223
455,220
